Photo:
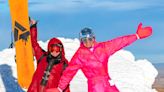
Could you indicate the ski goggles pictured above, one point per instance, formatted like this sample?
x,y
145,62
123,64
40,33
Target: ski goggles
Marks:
x,y
85,39
55,47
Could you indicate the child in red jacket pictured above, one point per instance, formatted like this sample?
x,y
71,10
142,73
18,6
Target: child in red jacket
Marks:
x,y
50,64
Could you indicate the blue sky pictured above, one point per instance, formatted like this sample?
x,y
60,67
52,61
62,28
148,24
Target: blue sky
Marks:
x,y
107,18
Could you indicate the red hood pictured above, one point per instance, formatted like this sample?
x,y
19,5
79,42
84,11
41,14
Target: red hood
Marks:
x,y
55,41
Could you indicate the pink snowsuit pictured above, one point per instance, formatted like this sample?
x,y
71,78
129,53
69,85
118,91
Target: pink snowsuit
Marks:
x,y
94,64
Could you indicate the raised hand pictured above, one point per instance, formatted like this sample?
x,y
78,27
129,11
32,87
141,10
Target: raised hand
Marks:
x,y
143,32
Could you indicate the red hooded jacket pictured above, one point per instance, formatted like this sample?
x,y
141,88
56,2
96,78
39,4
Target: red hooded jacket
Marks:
x,y
56,70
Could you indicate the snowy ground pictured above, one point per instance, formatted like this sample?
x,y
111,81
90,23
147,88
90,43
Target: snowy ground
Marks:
x,y
129,75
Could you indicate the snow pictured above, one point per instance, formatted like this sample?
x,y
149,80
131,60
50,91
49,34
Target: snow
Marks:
x,y
128,74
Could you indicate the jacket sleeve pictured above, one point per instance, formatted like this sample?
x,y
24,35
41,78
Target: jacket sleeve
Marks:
x,y
73,66
118,43
37,50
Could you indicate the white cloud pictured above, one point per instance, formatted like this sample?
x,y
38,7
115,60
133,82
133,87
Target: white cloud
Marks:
x,y
77,5
120,5
57,6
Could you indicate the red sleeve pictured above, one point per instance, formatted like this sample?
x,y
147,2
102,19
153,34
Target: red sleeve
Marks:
x,y
38,52
118,43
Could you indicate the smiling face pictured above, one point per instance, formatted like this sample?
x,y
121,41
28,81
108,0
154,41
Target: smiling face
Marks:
x,y
55,54
55,49
88,42
87,37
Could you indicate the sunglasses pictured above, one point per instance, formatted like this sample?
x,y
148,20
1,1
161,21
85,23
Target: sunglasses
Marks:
x,y
85,39
55,47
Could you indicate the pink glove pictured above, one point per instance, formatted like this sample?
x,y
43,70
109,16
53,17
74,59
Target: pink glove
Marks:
x,y
53,90
143,32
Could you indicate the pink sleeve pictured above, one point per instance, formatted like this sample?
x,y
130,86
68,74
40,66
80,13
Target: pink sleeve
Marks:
x,y
73,66
118,43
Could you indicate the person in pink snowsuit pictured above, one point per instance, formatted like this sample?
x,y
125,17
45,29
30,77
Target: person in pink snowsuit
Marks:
x,y
92,58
